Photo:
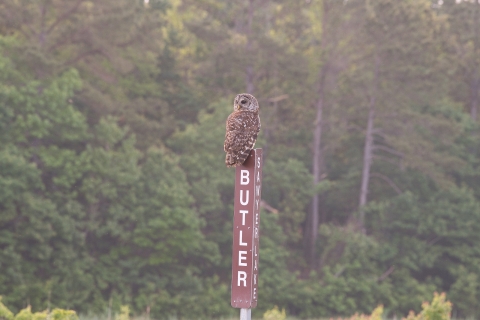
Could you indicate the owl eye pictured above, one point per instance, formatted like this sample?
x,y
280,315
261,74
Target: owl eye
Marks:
x,y
243,101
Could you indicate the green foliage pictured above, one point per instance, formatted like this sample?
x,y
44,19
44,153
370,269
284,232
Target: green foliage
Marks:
x,y
124,313
376,315
274,314
55,314
5,314
61,314
439,309
464,291
277,286
26,314
287,185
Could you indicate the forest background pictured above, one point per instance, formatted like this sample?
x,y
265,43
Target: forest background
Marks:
x,y
113,188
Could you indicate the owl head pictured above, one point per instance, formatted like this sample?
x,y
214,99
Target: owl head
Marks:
x,y
245,102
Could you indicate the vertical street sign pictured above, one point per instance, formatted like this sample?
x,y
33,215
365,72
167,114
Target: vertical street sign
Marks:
x,y
246,231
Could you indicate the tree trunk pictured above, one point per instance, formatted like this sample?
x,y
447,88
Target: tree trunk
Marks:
x,y
249,69
317,158
475,79
368,150
317,142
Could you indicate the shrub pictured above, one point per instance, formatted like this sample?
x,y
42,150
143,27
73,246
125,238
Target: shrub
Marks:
x,y
5,314
274,314
376,315
124,313
62,314
26,314
440,309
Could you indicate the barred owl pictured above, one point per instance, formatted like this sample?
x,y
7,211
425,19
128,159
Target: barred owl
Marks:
x,y
243,126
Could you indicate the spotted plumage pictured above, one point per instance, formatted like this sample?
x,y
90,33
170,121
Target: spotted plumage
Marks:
x,y
243,126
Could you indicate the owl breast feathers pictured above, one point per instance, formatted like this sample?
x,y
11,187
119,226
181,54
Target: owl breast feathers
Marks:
x,y
243,126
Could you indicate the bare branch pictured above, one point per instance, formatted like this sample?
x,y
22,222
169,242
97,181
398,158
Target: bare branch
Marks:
x,y
386,273
81,56
72,39
9,10
65,15
389,150
278,98
268,207
434,240
387,180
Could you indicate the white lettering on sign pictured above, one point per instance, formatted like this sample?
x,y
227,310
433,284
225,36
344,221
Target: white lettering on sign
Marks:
x,y
244,177
242,276
241,243
243,212
242,201
246,230
241,258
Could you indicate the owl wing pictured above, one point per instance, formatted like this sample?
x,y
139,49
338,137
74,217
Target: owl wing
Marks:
x,y
241,135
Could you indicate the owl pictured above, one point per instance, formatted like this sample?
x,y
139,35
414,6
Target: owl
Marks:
x,y
243,126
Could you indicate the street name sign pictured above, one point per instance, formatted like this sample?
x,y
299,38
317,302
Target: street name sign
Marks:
x,y
246,231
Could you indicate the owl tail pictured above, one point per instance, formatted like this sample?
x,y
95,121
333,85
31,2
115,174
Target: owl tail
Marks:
x,y
242,156
230,160
233,160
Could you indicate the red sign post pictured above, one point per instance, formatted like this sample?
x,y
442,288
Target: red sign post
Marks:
x,y
246,231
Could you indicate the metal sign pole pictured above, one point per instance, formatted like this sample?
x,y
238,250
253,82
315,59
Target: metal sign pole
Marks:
x,y
245,314
246,234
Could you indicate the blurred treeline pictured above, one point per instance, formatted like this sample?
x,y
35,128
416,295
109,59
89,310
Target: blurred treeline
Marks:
x,y
113,188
